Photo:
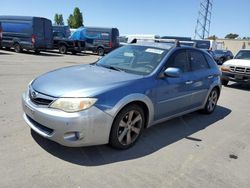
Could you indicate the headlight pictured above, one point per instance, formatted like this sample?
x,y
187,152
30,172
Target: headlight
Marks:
x,y
225,68
73,104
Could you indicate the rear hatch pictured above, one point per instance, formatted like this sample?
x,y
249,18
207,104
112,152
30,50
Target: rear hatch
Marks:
x,y
43,36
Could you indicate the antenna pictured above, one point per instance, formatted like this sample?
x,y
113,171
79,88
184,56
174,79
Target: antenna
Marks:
x,y
204,19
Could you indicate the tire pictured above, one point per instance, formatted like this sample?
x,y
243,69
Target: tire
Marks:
x,y
63,49
37,51
224,82
124,132
100,51
17,48
7,48
211,101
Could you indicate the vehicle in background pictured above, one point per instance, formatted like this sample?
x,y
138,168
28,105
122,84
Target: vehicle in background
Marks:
x,y
177,38
29,33
237,69
64,29
63,43
148,37
115,99
222,55
206,44
99,40
1,34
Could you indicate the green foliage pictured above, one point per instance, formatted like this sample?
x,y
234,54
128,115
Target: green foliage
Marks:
x,y
75,20
58,19
231,36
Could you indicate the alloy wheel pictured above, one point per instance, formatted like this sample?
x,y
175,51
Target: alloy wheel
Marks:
x,y
129,127
212,100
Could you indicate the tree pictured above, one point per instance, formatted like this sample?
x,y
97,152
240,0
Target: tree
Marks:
x,y
75,20
58,19
212,37
231,36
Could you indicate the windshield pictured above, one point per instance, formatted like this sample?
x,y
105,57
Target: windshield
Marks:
x,y
133,59
243,55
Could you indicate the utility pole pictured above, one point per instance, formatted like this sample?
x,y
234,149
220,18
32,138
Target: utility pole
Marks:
x,y
204,19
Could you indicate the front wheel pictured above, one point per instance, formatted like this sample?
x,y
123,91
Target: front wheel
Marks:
x,y
127,127
211,101
224,82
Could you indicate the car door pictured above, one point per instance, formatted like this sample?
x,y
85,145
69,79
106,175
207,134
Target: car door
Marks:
x,y
174,95
202,77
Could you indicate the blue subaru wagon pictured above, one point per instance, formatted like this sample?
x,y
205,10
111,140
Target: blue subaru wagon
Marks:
x,y
115,99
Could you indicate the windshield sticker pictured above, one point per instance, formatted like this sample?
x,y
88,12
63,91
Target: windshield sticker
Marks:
x,y
155,51
128,54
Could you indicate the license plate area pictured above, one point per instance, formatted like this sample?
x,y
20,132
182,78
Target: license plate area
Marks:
x,y
238,77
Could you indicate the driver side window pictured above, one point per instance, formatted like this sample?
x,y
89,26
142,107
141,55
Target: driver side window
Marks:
x,y
179,60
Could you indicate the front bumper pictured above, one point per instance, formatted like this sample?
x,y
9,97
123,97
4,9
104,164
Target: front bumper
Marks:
x,y
235,77
85,128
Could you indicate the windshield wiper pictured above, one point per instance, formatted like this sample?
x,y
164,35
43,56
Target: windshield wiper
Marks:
x,y
112,67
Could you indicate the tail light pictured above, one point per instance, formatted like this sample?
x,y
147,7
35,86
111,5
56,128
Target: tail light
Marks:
x,y
33,39
74,44
1,33
110,45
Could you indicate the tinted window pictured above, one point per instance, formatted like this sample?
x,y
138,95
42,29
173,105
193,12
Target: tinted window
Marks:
x,y
179,60
16,27
198,61
97,35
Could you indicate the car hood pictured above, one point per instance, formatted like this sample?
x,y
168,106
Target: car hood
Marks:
x,y
238,62
80,81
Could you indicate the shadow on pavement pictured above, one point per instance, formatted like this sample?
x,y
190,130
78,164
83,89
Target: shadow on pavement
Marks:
x,y
3,53
152,140
239,86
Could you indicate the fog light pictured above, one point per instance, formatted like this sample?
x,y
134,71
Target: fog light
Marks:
x,y
73,136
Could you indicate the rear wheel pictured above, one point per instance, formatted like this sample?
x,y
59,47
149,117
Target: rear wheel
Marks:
x,y
127,127
63,49
100,51
17,48
37,51
211,101
224,82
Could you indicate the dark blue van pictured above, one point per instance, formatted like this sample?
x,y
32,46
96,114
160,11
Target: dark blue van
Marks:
x,y
98,39
29,33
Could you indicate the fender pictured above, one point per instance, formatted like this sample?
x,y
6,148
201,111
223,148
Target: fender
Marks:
x,y
132,98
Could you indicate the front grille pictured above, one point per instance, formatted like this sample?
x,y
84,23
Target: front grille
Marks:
x,y
237,69
42,128
40,99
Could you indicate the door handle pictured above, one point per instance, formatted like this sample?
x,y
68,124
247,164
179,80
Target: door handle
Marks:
x,y
210,76
189,82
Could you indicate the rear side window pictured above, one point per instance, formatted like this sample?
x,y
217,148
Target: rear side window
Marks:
x,y
179,60
197,61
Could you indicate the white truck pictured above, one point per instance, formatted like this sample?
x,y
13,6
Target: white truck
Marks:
x,y
237,69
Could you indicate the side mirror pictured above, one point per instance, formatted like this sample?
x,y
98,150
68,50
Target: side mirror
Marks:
x,y
172,72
